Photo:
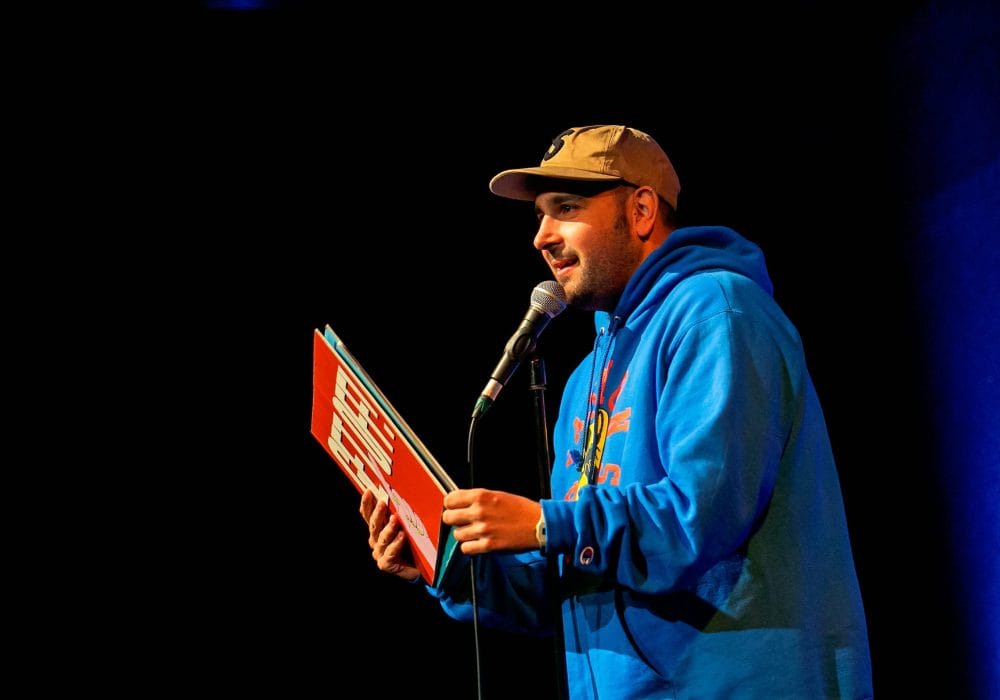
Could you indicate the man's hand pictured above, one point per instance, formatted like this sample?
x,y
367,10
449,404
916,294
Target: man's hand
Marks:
x,y
491,521
390,550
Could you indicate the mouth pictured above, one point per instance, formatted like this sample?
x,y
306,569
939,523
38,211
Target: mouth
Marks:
x,y
561,267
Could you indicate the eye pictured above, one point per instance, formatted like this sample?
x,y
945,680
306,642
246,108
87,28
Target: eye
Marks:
x,y
567,208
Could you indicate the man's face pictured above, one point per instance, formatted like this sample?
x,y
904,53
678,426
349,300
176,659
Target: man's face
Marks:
x,y
588,244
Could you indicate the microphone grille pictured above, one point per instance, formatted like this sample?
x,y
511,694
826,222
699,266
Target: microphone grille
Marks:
x,y
549,298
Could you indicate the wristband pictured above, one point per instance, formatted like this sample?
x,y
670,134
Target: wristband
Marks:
x,y
540,532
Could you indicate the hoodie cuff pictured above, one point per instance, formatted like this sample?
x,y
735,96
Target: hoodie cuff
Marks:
x,y
560,532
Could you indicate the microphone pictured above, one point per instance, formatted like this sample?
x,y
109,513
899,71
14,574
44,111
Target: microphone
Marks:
x,y
547,301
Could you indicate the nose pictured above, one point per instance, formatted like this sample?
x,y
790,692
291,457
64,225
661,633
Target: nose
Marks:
x,y
547,234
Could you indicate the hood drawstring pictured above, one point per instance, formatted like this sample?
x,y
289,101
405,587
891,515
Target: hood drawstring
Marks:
x,y
586,463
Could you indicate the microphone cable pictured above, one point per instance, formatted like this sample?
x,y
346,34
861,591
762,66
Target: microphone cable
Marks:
x,y
474,559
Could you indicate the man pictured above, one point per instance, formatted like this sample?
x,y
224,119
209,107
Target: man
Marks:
x,y
696,513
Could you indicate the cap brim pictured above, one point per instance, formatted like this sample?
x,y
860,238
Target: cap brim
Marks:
x,y
527,183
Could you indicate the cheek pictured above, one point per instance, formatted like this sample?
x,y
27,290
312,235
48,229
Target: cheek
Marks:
x,y
598,243
581,237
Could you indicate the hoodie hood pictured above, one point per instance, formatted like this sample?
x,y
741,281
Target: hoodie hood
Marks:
x,y
687,251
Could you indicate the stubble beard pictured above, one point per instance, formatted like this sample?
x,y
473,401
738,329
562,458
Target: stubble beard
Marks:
x,y
607,269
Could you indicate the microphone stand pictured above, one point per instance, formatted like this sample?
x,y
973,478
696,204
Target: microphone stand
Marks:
x,y
544,457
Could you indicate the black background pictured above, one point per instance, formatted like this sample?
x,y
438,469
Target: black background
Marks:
x,y
335,170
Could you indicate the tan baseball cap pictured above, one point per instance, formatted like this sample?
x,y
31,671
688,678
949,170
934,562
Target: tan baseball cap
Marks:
x,y
592,154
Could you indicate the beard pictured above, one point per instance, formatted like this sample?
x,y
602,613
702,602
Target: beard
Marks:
x,y
608,267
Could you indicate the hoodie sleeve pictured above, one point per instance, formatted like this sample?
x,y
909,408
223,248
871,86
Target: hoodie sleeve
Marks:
x,y
725,408
510,592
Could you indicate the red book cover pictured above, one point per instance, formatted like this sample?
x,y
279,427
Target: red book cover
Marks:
x,y
375,448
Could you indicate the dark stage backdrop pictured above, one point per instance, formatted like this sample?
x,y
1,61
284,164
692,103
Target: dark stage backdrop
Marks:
x,y
339,171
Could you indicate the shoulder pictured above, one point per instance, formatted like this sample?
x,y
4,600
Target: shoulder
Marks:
x,y
710,292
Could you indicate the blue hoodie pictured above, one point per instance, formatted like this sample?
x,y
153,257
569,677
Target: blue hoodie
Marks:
x,y
707,555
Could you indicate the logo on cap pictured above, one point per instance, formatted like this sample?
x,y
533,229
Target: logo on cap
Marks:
x,y
557,144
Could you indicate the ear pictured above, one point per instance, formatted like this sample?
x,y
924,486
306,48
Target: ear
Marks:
x,y
645,208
